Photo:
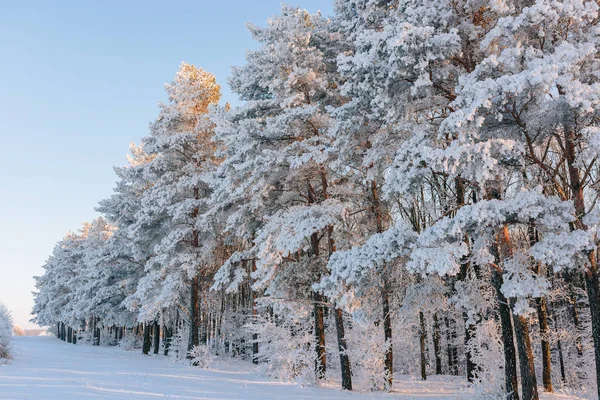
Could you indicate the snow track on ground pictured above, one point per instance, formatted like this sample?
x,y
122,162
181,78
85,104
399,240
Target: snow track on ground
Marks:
x,y
46,368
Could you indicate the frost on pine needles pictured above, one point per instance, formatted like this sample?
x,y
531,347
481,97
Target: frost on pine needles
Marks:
x,y
6,329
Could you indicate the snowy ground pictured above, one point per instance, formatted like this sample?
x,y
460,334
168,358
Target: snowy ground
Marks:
x,y
46,368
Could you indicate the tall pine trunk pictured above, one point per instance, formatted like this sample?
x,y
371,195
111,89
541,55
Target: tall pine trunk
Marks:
x,y
146,343
385,301
591,273
437,345
343,350
95,340
156,336
254,315
526,363
321,361
167,337
318,306
422,339
464,274
521,326
510,357
339,319
387,332
472,367
501,250
173,329
542,313
591,284
449,352
561,360
194,339
575,316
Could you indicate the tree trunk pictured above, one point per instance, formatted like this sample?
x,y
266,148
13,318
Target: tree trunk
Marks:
x,y
204,333
454,348
194,308
321,362
561,361
342,347
472,367
591,274
542,313
254,315
146,343
156,336
591,284
510,359
167,337
464,274
319,314
94,331
422,338
214,329
385,302
339,317
194,339
436,345
387,335
526,364
521,326
576,323
546,355
500,249
448,345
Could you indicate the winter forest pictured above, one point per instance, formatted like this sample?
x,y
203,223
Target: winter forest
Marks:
x,y
408,187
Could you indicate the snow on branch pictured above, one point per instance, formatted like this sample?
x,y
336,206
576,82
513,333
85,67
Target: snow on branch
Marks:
x,y
352,266
564,250
287,231
231,275
439,248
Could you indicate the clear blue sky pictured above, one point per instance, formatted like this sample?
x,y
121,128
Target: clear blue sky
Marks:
x,y
79,81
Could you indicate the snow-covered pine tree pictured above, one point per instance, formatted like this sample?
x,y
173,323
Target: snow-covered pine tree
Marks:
x,y
429,167
181,153
281,148
126,255
539,83
405,59
6,329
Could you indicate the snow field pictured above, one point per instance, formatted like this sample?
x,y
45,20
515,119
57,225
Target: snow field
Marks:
x,y
46,368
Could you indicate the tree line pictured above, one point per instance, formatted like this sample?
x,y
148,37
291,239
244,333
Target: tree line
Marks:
x,y
408,186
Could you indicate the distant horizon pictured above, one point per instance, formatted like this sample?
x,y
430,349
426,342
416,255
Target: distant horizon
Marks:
x,y
82,83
